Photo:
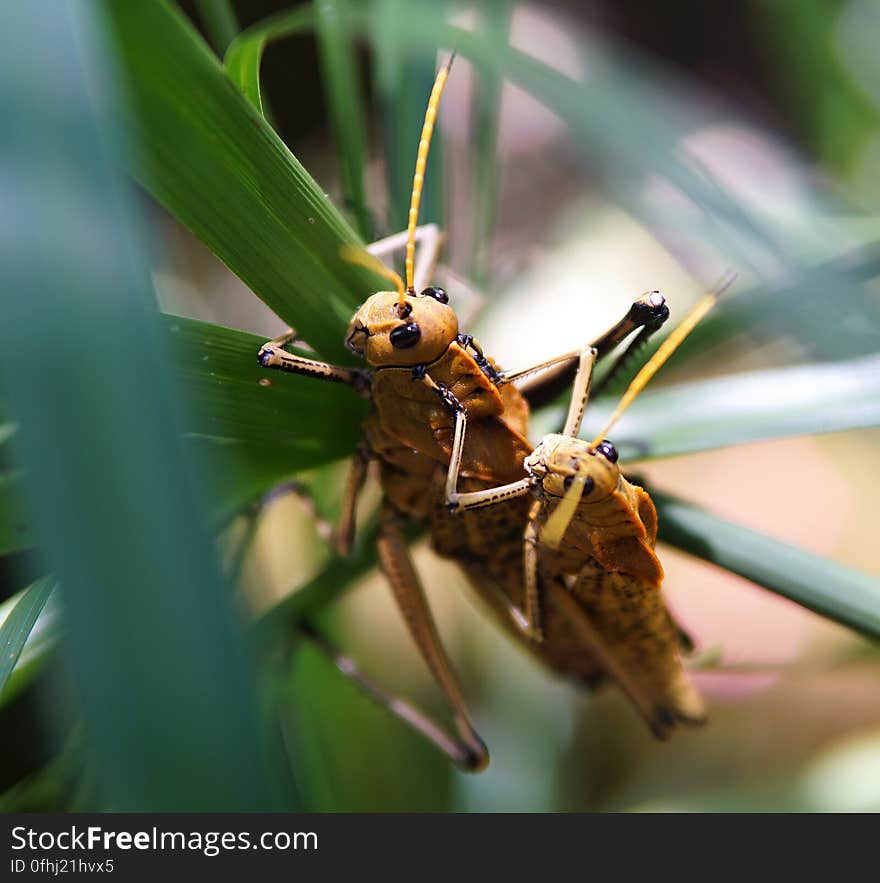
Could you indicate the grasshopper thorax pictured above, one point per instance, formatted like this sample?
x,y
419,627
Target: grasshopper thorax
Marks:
x,y
556,461
391,331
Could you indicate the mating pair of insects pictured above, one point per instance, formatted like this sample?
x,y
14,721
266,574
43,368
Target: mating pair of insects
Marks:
x,y
554,539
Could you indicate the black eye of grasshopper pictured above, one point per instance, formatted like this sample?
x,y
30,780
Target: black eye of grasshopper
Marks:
x,y
405,336
437,293
589,484
608,451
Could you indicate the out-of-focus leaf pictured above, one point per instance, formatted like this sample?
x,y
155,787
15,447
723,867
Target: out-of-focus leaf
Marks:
x,y
219,20
211,159
345,103
802,400
16,531
150,631
495,18
819,584
403,75
245,53
17,618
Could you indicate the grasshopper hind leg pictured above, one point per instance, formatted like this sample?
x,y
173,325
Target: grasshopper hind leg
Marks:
x,y
394,558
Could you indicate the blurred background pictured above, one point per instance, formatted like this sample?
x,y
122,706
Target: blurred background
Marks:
x,y
552,229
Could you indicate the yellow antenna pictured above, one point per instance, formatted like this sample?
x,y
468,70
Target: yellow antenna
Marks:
x,y
557,524
664,351
356,255
419,177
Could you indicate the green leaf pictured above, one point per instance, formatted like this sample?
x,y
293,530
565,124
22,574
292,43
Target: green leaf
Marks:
x,y
17,618
779,402
219,20
245,53
211,159
16,530
235,401
819,584
345,103
404,73
495,18
160,666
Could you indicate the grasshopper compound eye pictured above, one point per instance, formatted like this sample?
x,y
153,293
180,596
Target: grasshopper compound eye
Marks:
x,y
608,451
405,336
589,484
438,294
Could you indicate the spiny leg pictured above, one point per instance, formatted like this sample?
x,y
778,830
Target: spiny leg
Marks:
x,y
472,499
272,355
395,561
490,496
653,307
533,617
405,711
647,312
580,394
430,240
343,534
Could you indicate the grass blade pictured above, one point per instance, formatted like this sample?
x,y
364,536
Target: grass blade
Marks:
x,y
16,530
151,635
16,625
219,20
245,53
404,74
212,160
345,102
819,584
486,111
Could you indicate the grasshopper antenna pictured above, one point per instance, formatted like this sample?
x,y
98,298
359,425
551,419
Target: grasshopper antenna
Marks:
x,y
354,254
419,177
664,351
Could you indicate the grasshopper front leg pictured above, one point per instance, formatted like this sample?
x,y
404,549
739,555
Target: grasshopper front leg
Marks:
x,y
273,355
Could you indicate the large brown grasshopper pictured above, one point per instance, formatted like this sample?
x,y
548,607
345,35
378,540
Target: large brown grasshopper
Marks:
x,y
445,420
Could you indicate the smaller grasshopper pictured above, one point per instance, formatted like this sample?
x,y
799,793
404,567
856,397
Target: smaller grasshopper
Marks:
x,y
589,546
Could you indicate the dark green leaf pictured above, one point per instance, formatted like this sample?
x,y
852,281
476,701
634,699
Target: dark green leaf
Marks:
x,y
245,53
345,103
212,160
218,17
819,584
158,658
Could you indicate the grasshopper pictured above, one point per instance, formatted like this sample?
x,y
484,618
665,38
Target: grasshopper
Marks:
x,y
425,380
592,531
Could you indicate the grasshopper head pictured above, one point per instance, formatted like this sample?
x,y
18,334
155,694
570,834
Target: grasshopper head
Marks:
x,y
390,331
558,459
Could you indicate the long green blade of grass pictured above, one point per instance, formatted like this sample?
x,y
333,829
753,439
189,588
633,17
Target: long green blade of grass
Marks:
x,y
403,76
211,159
42,641
219,20
245,53
819,584
16,530
16,624
486,112
344,97
159,661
